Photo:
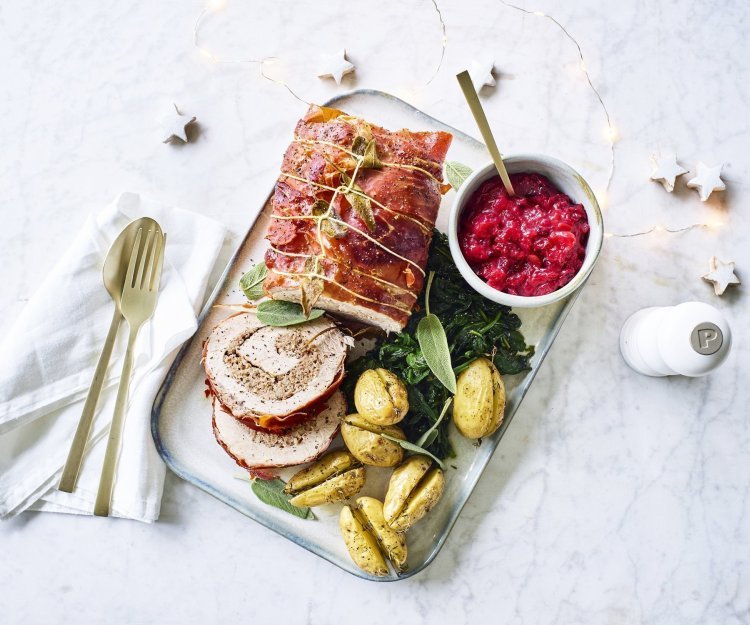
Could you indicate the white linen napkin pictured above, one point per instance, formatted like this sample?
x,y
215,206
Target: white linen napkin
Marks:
x,y
47,360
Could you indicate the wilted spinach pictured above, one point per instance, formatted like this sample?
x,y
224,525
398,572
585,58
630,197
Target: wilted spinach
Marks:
x,y
474,326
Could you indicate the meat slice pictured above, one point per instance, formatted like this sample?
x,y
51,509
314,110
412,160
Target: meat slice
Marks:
x,y
257,371
255,449
369,268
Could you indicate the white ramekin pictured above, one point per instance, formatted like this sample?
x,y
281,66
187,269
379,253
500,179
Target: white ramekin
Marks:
x,y
564,178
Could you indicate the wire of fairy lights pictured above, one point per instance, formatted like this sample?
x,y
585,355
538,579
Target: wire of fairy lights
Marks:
x,y
443,41
610,132
657,229
214,6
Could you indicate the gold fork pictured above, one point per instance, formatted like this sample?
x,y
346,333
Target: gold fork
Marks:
x,y
139,295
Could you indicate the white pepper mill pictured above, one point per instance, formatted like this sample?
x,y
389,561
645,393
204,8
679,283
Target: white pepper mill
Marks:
x,y
690,339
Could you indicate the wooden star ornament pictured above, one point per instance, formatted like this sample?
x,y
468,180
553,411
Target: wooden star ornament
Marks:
x,y
721,275
666,170
707,180
481,74
177,125
336,66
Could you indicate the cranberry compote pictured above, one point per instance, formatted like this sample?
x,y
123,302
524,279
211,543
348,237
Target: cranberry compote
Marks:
x,y
530,244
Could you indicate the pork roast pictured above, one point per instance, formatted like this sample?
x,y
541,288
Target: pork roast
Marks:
x,y
255,449
268,374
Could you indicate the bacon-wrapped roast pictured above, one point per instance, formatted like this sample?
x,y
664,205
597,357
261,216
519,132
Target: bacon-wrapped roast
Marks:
x,y
353,214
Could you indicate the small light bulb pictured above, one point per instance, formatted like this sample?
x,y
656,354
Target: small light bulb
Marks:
x,y
608,235
208,54
583,66
216,5
658,229
539,14
610,132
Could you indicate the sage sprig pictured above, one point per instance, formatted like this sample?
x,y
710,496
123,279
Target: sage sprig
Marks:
x,y
252,282
434,344
271,492
457,173
280,313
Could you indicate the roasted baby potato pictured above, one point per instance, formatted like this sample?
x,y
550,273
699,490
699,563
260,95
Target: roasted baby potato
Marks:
x,y
361,544
335,477
479,404
366,443
413,490
391,542
369,539
381,397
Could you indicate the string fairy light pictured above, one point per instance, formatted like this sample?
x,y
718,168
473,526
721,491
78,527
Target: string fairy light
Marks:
x,y
611,135
658,228
610,132
444,41
214,6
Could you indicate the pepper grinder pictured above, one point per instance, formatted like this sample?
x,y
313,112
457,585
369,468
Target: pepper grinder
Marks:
x,y
690,339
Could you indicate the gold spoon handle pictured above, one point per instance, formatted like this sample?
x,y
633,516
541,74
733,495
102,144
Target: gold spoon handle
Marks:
x,y
107,479
470,93
78,446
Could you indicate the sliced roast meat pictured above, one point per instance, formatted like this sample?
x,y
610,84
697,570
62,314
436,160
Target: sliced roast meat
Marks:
x,y
264,372
282,424
255,449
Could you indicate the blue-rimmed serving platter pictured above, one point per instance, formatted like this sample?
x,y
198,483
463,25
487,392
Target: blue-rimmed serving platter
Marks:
x,y
181,417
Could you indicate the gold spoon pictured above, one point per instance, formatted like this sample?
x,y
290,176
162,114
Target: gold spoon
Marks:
x,y
114,271
470,93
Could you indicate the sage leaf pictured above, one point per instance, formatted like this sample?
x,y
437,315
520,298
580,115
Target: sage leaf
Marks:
x,y
367,149
362,205
414,449
310,291
252,282
320,207
359,201
433,343
430,435
271,492
280,313
333,229
434,346
371,160
457,173
328,226
359,146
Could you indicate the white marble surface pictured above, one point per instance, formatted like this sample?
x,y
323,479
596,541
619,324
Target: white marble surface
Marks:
x,y
613,498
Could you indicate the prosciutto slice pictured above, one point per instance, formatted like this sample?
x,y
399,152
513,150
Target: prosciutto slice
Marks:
x,y
255,449
274,377
353,214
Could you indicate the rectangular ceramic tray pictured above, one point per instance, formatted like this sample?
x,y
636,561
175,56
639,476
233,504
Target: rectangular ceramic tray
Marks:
x,y
181,418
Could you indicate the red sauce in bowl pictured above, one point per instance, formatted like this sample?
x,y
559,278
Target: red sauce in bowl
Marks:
x,y
530,244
